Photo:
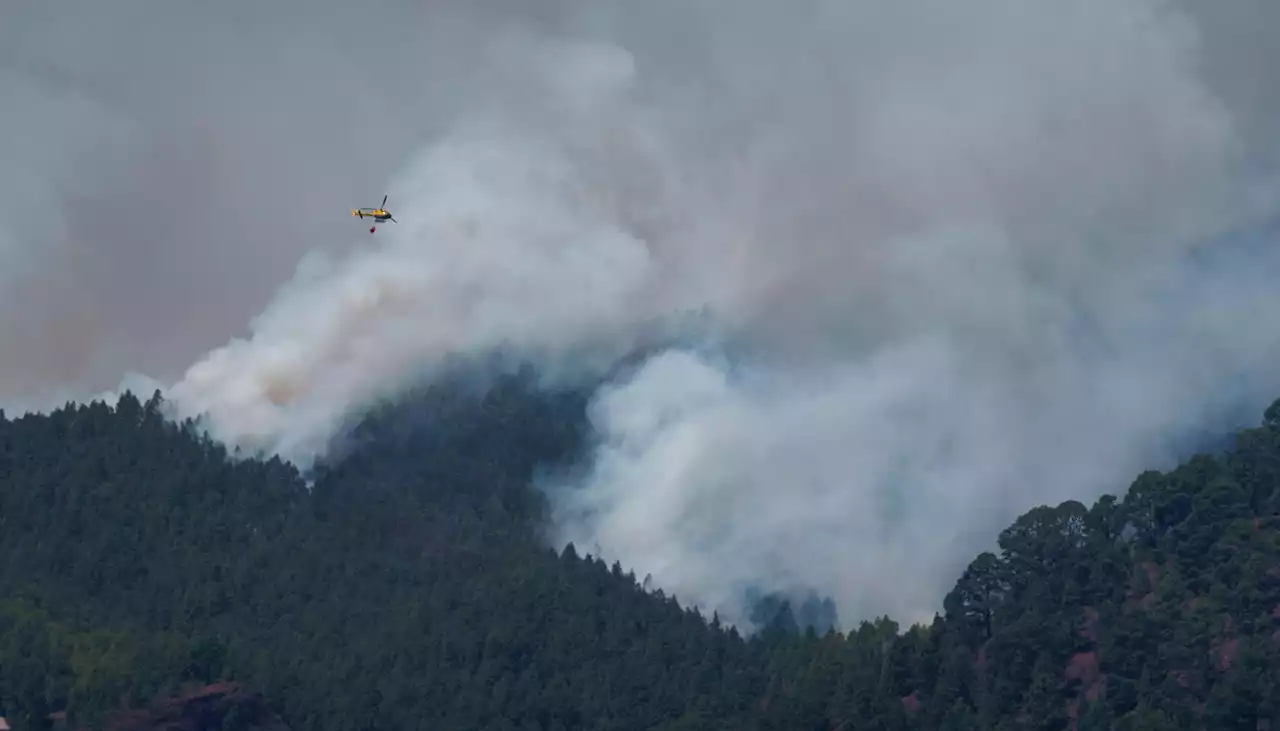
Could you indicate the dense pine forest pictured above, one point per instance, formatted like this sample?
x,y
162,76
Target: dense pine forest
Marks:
x,y
409,587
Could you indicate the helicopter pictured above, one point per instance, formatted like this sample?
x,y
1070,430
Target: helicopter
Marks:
x,y
377,214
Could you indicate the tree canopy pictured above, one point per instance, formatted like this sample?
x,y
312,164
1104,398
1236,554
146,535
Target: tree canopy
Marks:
x,y
410,587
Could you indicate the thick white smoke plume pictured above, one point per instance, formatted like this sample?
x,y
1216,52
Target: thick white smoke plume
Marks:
x,y
957,241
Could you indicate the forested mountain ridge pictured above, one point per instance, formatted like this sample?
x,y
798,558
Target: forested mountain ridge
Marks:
x,y
409,588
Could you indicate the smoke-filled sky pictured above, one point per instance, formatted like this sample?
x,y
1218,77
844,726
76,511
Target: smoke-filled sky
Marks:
x,y
950,245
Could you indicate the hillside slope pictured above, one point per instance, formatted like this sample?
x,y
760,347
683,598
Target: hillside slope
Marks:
x,y
410,589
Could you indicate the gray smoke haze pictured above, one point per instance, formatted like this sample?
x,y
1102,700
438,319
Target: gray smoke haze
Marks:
x,y
968,255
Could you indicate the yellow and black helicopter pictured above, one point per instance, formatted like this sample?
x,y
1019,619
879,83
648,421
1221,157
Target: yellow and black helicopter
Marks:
x,y
378,214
